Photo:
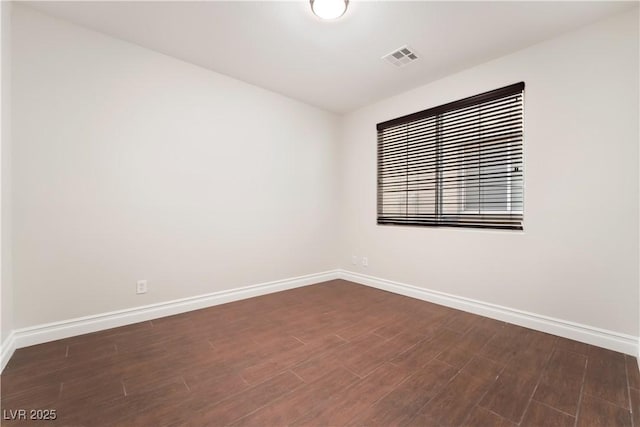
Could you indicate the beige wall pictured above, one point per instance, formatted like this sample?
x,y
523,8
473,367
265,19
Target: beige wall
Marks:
x,y
577,258
6,282
129,165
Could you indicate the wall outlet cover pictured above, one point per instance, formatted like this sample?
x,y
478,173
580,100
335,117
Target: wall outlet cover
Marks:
x,y
141,287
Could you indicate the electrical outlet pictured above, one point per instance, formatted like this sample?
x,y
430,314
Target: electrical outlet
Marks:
x,y
365,261
141,287
354,260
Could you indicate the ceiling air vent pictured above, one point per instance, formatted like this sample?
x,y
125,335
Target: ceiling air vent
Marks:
x,y
401,57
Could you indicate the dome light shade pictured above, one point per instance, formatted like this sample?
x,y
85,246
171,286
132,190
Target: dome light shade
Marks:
x,y
329,9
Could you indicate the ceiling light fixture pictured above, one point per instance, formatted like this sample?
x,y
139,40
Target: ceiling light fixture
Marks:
x,y
329,9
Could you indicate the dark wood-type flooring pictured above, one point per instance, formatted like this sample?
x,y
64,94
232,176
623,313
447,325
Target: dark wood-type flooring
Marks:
x,y
332,354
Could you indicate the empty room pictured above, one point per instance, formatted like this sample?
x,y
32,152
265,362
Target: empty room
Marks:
x,y
320,213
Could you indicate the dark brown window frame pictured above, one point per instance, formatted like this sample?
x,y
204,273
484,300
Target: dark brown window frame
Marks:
x,y
499,169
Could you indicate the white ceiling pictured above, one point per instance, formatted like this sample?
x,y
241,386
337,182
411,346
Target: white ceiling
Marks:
x,y
334,65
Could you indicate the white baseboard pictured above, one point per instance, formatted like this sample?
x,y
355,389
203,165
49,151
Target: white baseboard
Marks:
x,y
7,347
53,331
588,334
83,325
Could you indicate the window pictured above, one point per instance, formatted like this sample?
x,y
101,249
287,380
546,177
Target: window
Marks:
x,y
456,165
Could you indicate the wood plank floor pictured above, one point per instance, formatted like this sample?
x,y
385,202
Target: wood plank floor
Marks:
x,y
332,354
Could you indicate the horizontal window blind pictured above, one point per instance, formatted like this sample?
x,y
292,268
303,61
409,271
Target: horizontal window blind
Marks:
x,y
457,165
